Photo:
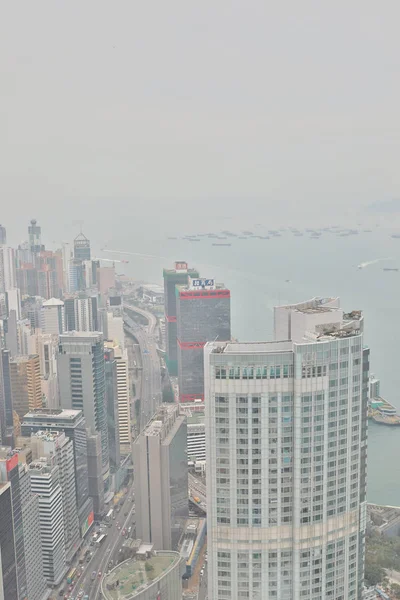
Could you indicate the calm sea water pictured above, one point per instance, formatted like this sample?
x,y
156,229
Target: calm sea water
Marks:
x,y
263,273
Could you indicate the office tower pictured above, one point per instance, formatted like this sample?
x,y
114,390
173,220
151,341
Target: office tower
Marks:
x,y
44,475
25,383
203,311
8,570
161,477
80,368
81,248
35,580
286,447
81,313
72,423
27,281
76,277
8,275
95,468
9,471
52,316
5,387
13,296
105,279
3,235
32,309
35,237
56,444
172,277
122,396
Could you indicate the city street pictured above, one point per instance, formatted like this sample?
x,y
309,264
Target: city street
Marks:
x,y
107,551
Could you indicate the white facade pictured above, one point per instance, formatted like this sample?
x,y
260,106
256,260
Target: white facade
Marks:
x,y
115,329
84,314
8,279
56,444
123,396
26,338
45,484
286,457
52,316
196,441
46,348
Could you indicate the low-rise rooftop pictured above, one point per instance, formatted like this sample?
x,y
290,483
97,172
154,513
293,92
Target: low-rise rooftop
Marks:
x,y
134,575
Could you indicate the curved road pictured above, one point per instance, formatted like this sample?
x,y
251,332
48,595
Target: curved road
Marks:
x,y
151,393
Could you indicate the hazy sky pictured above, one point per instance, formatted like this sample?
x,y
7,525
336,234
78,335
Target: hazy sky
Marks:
x,y
288,104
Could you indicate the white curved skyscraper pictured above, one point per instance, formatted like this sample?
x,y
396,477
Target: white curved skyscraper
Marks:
x,y
286,442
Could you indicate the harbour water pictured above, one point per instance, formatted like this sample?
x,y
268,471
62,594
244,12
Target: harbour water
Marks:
x,y
262,273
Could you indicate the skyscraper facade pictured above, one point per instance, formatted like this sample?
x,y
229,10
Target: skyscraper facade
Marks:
x,y
286,459
35,237
8,274
3,235
56,444
44,475
25,383
172,277
72,423
203,310
81,247
161,476
52,316
8,567
9,471
81,377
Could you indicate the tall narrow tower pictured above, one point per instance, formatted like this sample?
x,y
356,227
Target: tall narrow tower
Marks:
x,y
178,275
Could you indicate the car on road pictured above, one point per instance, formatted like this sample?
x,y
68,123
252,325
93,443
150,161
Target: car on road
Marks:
x,y
99,574
80,595
123,532
93,575
126,513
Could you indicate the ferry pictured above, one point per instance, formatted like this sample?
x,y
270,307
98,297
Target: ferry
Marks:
x,y
382,412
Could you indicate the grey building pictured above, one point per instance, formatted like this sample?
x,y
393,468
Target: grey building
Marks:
x,y
8,571
35,581
81,247
72,423
81,377
203,311
55,444
96,484
3,235
44,476
9,471
161,478
286,441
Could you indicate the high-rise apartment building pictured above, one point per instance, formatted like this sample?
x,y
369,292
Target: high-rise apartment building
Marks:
x,y
96,483
286,440
25,384
172,277
44,475
81,378
72,423
203,311
47,348
56,444
8,567
161,476
52,316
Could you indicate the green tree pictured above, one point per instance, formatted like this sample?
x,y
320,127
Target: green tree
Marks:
x,y
373,574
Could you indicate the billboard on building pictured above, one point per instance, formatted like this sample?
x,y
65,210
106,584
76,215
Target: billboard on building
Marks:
x,y
88,522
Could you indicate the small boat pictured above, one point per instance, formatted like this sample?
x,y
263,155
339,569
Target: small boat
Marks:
x,y
390,269
221,244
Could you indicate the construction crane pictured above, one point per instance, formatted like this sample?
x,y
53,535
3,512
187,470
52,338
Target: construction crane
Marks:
x,y
112,260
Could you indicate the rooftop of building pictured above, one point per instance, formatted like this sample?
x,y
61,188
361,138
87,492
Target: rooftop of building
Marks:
x,y
22,358
42,414
135,575
153,287
49,435
80,335
315,305
196,418
164,422
53,302
249,347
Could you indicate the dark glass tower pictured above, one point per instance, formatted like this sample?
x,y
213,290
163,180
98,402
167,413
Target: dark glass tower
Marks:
x,y
7,543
